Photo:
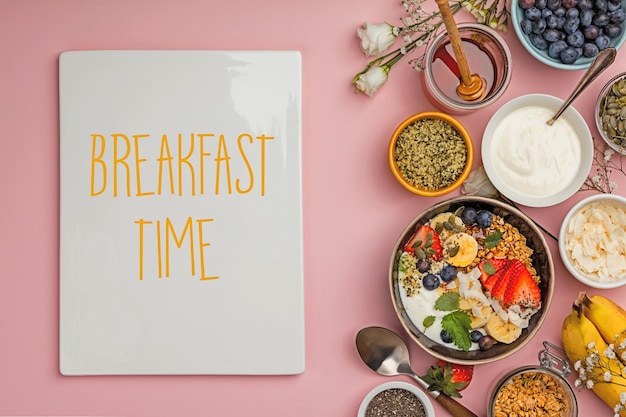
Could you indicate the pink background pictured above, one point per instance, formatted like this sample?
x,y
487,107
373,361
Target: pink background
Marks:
x,y
353,208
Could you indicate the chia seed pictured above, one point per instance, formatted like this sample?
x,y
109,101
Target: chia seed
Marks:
x,y
395,402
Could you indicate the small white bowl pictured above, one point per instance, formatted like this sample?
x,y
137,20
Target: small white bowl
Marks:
x,y
563,241
421,396
516,145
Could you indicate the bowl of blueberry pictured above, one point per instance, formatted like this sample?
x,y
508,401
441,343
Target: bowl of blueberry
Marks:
x,y
568,34
471,279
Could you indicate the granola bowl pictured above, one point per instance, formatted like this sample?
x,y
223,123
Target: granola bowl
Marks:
x,y
430,154
471,279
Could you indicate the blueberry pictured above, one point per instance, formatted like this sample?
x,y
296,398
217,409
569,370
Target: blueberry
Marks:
x,y
423,265
568,4
431,282
526,26
538,41
560,22
539,26
486,342
612,7
602,42
576,39
551,22
554,51
585,4
552,35
613,30
526,4
553,4
568,55
560,12
591,32
468,216
601,6
545,13
571,24
590,50
447,273
484,218
476,335
572,13
541,4
616,16
445,337
601,19
585,17
533,13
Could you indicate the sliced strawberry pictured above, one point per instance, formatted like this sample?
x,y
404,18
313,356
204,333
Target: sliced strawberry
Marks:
x,y
522,290
490,271
513,268
425,243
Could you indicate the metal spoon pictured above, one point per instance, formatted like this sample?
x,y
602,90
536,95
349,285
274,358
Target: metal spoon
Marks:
x,y
601,62
386,353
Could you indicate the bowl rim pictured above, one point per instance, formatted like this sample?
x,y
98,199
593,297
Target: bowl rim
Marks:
x,y
619,149
458,126
586,141
428,406
463,200
579,275
581,63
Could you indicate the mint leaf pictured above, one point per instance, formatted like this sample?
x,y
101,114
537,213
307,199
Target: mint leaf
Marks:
x,y
493,239
458,324
428,321
489,268
448,301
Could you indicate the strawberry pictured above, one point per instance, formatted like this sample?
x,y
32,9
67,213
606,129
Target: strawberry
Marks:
x,y
513,269
448,378
491,270
425,243
522,289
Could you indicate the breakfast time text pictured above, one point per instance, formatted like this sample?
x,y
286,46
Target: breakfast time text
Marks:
x,y
179,165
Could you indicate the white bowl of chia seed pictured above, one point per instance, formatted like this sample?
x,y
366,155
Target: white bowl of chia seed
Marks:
x,y
396,398
430,154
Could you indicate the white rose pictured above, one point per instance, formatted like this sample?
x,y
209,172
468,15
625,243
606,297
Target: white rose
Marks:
x,y
372,80
375,39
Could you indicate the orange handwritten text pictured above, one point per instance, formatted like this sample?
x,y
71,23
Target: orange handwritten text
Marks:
x,y
141,165
169,238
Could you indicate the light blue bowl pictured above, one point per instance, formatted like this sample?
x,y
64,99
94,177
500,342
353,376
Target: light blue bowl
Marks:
x,y
517,15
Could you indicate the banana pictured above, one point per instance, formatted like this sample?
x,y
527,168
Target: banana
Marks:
x,y
577,334
502,331
460,249
610,320
478,322
446,224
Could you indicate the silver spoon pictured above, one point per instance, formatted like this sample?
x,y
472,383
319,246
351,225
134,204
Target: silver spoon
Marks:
x,y
601,62
386,353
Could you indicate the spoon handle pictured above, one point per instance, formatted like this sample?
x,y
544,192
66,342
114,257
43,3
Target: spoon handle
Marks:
x,y
602,61
454,407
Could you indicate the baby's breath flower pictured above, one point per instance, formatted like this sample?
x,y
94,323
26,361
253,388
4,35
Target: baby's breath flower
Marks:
x,y
589,384
577,365
578,382
607,376
591,345
604,163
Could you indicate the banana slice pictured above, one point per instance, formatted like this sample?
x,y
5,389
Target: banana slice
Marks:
x,y
448,224
460,249
502,331
481,321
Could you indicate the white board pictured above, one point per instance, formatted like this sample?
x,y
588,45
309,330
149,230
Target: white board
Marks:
x,y
181,213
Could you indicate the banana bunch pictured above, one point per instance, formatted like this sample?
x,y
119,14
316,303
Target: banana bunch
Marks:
x,y
594,323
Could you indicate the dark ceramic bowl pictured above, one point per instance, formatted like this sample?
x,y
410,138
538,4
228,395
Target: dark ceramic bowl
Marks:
x,y
542,261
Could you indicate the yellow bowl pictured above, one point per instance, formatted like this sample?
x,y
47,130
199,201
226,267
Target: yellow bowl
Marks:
x,y
450,183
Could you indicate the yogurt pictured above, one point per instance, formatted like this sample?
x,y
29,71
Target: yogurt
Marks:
x,y
596,240
532,157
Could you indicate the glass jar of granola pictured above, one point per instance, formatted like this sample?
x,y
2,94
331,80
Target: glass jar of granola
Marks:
x,y
536,390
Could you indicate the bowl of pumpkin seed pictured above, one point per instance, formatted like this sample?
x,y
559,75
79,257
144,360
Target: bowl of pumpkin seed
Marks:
x,y
611,113
430,153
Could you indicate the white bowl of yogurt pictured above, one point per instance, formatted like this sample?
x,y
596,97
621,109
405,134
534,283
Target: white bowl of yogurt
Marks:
x,y
531,162
592,241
